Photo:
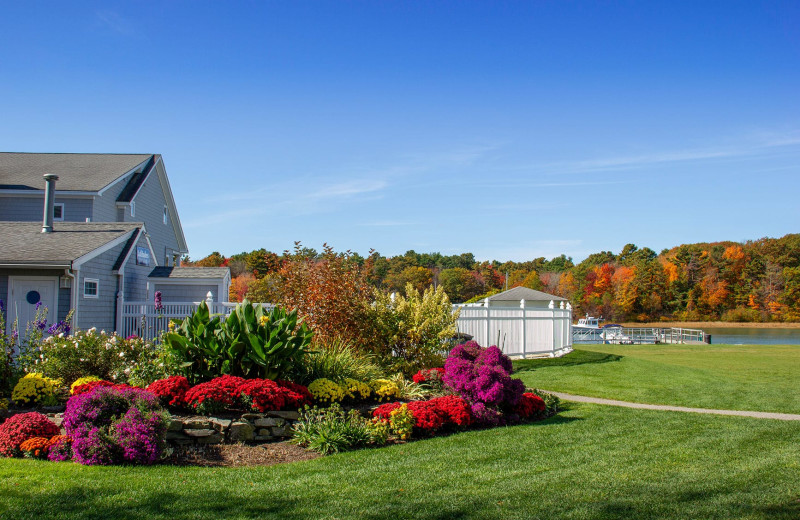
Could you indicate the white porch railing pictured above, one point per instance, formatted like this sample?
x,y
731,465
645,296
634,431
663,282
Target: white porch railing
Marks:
x,y
142,319
519,331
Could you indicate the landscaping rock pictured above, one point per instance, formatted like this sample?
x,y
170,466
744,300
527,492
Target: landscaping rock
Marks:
x,y
252,416
263,438
175,425
215,438
288,415
196,423
220,424
282,431
177,436
200,432
266,422
240,431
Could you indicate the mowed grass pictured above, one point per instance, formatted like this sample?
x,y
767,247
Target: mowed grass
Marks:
x,y
733,377
590,462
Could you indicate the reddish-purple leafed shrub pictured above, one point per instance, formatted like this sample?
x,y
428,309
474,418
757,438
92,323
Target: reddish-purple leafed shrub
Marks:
x,y
482,376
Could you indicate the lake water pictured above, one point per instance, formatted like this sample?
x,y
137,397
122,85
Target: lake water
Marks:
x,y
752,336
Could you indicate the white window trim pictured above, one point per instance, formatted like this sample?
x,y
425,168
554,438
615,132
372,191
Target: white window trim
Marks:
x,y
133,209
61,205
166,216
97,288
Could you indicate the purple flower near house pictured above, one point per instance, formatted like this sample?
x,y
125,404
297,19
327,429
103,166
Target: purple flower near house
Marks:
x,y
2,306
58,328
38,304
157,297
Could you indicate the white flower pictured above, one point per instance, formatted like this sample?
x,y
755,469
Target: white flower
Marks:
x,y
61,335
121,354
92,330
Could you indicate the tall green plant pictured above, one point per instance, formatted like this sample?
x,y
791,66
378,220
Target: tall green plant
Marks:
x,y
248,343
265,345
196,345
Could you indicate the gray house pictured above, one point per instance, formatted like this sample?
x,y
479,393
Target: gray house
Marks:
x,y
88,232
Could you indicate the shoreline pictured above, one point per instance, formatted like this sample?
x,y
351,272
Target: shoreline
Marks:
x,y
714,325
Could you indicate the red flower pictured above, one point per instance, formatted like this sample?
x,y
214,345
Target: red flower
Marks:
x,y
529,406
22,427
385,410
297,395
427,375
171,391
88,387
263,395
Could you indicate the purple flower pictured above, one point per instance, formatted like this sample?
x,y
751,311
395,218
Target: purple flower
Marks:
x,y
58,328
2,306
38,304
159,306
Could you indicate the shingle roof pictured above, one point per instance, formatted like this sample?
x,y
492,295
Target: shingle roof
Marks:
x,y
76,171
523,293
23,243
189,272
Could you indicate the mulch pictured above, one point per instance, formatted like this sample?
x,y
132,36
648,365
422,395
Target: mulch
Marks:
x,y
238,455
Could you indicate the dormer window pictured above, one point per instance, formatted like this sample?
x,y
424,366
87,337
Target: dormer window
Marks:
x,y
58,211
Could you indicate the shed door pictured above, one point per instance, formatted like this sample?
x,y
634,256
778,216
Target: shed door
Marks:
x,y
25,292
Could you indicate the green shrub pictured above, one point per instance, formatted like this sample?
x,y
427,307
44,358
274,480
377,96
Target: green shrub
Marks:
x,y
409,390
336,360
250,343
552,402
332,430
106,356
742,315
411,331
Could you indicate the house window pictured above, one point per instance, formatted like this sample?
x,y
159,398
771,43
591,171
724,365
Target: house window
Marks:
x,y
91,287
58,211
166,220
133,209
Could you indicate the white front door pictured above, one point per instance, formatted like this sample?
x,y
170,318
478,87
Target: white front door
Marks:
x,y
24,292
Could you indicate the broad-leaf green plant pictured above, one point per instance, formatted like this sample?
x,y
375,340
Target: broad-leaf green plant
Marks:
x,y
264,344
195,343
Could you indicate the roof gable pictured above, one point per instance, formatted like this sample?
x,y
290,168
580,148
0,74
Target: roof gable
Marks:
x,y
76,171
25,244
523,293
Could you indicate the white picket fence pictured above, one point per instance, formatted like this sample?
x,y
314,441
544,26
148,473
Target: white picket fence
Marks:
x,y
519,331
142,319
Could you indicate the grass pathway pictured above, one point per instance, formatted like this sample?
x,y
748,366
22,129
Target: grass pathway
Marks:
x,y
643,406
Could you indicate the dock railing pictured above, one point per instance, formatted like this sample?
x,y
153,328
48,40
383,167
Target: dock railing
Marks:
x,y
639,335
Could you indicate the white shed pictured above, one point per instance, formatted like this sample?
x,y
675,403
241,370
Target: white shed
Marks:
x,y
521,321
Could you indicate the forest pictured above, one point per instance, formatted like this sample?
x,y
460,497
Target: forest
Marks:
x,y
752,281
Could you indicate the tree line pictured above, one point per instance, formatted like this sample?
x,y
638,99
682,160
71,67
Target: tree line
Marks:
x,y
756,280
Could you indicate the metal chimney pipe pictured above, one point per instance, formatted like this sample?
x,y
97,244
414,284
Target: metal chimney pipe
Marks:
x,y
49,202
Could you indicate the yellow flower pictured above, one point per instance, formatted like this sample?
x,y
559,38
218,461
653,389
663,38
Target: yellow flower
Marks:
x,y
326,390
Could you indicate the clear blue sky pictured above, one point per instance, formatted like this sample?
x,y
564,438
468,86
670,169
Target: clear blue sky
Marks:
x,y
509,129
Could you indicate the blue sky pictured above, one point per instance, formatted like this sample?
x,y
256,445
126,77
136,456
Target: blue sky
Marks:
x,y
512,130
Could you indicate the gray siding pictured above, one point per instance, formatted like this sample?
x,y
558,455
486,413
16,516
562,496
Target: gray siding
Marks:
x,y
150,202
136,275
63,294
99,312
186,293
105,206
30,209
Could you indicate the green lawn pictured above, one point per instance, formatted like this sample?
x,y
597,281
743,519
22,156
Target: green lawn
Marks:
x,y
591,462
735,377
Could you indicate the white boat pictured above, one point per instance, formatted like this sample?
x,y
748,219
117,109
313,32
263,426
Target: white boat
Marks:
x,y
587,324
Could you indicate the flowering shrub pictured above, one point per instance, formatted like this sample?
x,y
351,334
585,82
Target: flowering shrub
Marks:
x,y
482,376
530,405
35,447
171,391
22,427
401,421
88,387
325,390
355,390
60,448
297,395
215,395
431,415
112,425
430,376
384,389
262,395
82,381
36,389
107,356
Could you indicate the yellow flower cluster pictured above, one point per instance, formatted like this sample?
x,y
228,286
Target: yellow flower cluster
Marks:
x,y
82,381
325,390
35,388
384,389
402,422
356,389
